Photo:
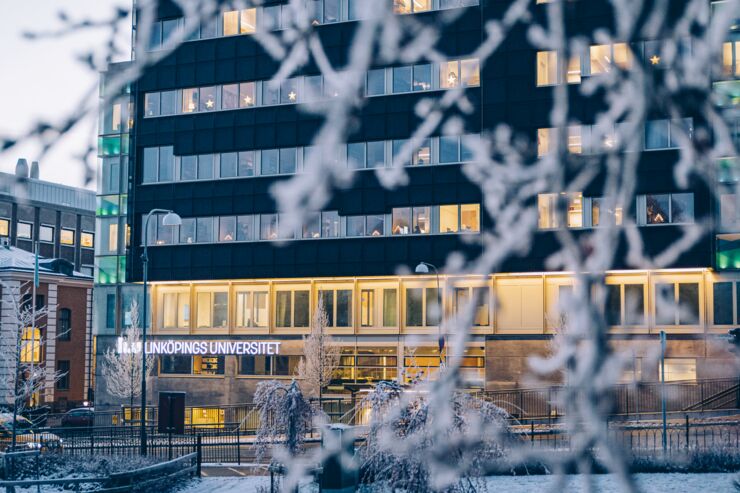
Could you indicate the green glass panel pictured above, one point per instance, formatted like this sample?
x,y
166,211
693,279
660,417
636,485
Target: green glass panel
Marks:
x,y
109,146
108,205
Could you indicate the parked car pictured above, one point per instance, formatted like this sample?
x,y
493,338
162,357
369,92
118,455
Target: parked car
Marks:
x,y
27,437
79,418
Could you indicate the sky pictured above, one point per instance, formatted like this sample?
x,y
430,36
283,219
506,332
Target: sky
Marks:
x,y
43,79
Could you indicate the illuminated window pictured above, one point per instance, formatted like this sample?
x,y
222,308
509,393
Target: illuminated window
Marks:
x,y
208,365
550,217
226,228
248,21
367,308
247,94
251,309
410,6
449,74
87,240
731,58
420,362
231,23
175,364
30,345
189,100
575,139
545,140
547,68
175,310
212,309
373,364
422,155
678,369
401,221
604,57
676,208
448,219
422,220
4,227
67,237
470,218
207,98
470,72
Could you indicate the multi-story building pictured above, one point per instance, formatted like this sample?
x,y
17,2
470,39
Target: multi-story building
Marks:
x,y
211,137
60,218
61,340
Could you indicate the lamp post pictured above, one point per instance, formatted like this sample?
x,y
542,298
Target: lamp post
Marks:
x,y
423,268
170,219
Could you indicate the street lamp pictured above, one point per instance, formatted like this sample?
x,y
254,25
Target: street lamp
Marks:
x,y
423,268
170,219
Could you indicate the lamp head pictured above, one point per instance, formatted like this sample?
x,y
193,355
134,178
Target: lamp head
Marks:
x,y
422,268
171,219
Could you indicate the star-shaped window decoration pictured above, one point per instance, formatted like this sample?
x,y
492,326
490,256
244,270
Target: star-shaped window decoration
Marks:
x,y
655,59
210,104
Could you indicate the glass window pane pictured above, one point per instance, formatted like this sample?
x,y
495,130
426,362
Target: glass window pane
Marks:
x,y
467,147
205,166
301,317
230,96
245,228
270,93
312,87
376,154
401,79
367,308
208,28
665,307
151,104
688,303
248,21
401,220
448,149
470,217
375,82
270,18
290,91
207,98
231,23
634,304
287,160
268,227
326,299
656,134
311,226
188,168
547,68
166,163
330,224
432,304
682,208
151,164
414,307
283,308
657,208
344,308
422,77
269,165
375,225
422,155
390,307
155,36
187,230
204,229
356,155
189,100
227,228
168,102
247,165
356,226
613,310
246,94
203,306
403,156
601,59
481,297
723,303
449,74
448,220
331,11
228,165
470,72
422,220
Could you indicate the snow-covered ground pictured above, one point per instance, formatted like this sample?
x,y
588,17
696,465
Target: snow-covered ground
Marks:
x,y
649,483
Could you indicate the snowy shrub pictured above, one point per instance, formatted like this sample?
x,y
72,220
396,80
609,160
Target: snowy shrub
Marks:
x,y
285,417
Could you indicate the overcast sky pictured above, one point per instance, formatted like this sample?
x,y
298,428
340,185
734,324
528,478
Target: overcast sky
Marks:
x,y
43,79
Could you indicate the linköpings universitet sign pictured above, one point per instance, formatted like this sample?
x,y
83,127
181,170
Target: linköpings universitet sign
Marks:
x,y
238,348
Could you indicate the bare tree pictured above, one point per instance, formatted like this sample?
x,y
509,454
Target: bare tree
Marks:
x,y
122,365
321,356
22,350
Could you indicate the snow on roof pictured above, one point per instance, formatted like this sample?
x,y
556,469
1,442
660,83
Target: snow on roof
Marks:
x,y
19,260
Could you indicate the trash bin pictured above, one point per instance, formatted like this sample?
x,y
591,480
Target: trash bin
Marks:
x,y
339,474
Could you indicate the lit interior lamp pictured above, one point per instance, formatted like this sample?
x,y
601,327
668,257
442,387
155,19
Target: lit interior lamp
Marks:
x,y
292,95
210,104
655,60
452,78
191,106
248,100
